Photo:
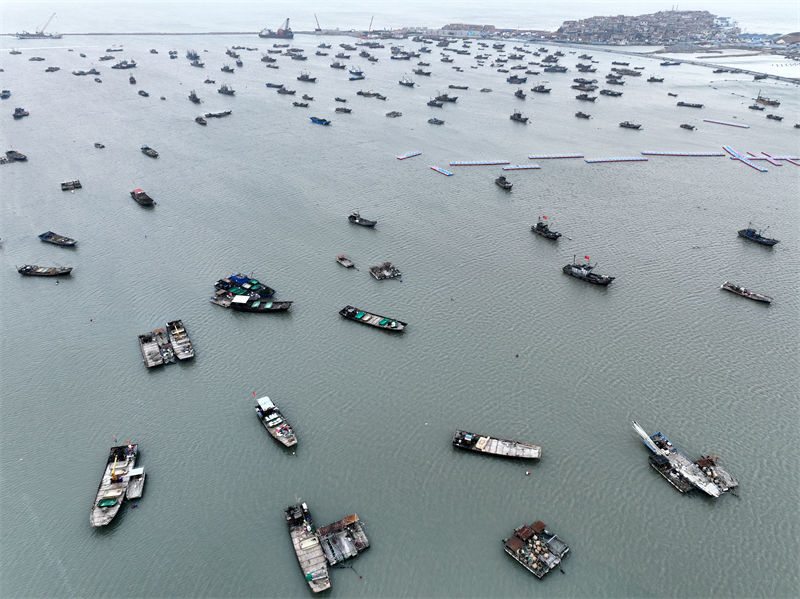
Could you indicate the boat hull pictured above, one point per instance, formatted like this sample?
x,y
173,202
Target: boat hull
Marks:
x,y
375,320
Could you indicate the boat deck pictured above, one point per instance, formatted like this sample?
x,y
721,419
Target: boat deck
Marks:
x,y
151,354
491,445
343,539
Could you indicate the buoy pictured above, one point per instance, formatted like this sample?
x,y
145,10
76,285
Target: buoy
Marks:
x,y
527,473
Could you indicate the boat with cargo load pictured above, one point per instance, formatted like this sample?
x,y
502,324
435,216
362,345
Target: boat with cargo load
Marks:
x,y
706,474
31,270
537,549
114,484
744,292
275,422
495,446
375,320
241,284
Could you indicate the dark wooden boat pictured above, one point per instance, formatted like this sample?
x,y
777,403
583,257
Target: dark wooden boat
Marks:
x,y
629,125
494,446
249,303
57,239
142,198
583,115
503,183
739,290
687,126
356,218
31,270
275,422
375,320
148,151
70,185
584,272
543,229
689,105
200,120
755,235
517,116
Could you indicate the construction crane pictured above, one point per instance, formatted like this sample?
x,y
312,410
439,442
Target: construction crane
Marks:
x,y
46,24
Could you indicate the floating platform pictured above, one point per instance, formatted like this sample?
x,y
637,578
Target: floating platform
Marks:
x,y
551,156
598,160
736,156
741,126
522,167
703,154
479,162
441,170
343,540
409,155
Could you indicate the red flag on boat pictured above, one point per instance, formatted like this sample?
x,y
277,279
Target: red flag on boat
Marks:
x,y
254,393
544,217
587,257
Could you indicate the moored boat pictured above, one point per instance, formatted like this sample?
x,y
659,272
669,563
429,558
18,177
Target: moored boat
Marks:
x,y
200,120
495,446
148,151
744,292
755,235
31,270
584,272
375,320
275,422
517,116
70,185
629,125
687,126
542,228
151,352
241,284
318,120
537,549
357,219
113,485
689,104
57,239
307,547
583,115
249,303
179,339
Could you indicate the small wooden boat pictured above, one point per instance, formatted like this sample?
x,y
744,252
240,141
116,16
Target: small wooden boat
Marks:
x,y
356,218
142,198
70,185
113,485
739,290
179,339
343,110
345,261
275,423
31,270
151,353
241,303
375,320
57,239
491,445
200,120
148,151
687,126
629,125
503,183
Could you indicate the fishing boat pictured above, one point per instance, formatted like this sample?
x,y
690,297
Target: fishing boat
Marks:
x,y
31,270
394,114
57,239
179,339
143,93
193,97
307,97
435,103
706,474
739,290
586,97
755,107
307,547
15,156
766,101
541,89
689,105
227,91
286,92
583,115
357,219
537,549
142,198
405,81
755,235
20,112
319,121
217,115
132,80
345,261
113,485
227,69
542,228
584,272
519,94
343,110
375,320
495,446
608,92
654,79
151,352
774,117
200,120
503,183
148,151
517,116
687,126
435,121
629,125
300,104
71,185
307,78
275,422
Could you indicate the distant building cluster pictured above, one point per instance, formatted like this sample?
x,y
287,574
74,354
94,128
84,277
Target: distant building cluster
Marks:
x,y
662,28
467,30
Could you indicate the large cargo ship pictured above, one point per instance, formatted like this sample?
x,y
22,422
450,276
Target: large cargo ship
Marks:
x,y
284,32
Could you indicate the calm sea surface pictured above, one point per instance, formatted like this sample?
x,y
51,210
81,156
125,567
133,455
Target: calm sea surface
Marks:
x,y
499,340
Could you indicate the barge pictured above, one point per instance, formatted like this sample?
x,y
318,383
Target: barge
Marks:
x,y
744,292
685,475
375,320
179,339
385,271
536,549
343,539
114,484
274,421
494,446
31,270
57,239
